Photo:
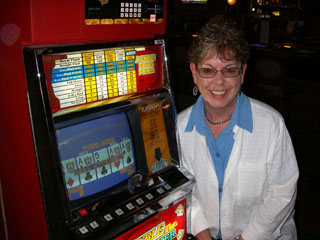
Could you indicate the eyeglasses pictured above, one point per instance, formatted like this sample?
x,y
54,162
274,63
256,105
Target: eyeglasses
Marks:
x,y
228,72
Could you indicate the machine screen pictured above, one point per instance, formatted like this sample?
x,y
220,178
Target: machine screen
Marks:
x,y
96,155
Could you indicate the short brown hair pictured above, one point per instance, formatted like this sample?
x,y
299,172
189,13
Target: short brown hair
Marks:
x,y
223,39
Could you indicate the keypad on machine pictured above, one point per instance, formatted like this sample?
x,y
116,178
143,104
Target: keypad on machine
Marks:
x,y
130,10
123,210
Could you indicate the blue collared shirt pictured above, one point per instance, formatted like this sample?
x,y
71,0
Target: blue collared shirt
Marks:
x,y
220,148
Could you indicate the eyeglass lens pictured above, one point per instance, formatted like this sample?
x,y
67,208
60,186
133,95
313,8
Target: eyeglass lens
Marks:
x,y
226,72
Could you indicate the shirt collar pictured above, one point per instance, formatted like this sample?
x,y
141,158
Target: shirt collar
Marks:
x,y
241,116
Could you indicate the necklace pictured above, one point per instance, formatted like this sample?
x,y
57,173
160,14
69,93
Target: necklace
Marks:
x,y
215,123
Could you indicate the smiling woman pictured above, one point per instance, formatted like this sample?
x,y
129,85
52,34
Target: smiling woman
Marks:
x,y
234,146
219,81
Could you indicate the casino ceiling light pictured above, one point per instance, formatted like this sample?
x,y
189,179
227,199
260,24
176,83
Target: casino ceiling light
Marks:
x,y
231,2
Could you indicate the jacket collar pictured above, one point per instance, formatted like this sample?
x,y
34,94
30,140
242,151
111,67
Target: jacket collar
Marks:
x,y
241,116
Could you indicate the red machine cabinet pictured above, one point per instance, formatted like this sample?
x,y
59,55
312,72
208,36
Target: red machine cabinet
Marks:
x,y
39,23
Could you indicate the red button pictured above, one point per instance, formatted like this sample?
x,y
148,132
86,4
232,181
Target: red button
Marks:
x,y
83,212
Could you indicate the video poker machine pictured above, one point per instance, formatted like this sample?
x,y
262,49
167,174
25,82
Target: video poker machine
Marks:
x,y
89,136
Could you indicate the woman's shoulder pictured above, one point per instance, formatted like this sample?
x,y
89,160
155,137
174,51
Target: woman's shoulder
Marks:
x,y
263,112
183,117
184,114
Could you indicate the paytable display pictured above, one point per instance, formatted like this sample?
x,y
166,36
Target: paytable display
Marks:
x,y
77,78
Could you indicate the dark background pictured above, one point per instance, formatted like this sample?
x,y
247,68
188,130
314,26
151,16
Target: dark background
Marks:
x,y
294,41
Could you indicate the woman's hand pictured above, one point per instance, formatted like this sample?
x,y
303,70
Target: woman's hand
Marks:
x,y
204,235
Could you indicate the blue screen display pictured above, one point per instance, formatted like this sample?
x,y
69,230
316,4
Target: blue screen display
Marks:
x,y
96,155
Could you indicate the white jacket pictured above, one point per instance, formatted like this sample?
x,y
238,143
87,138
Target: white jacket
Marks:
x,y
259,188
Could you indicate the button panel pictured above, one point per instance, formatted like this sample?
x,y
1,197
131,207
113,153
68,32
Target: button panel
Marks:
x,y
122,211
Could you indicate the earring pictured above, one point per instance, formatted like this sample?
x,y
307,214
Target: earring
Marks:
x,y
195,90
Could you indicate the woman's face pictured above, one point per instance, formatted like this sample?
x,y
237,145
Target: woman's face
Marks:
x,y
219,93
